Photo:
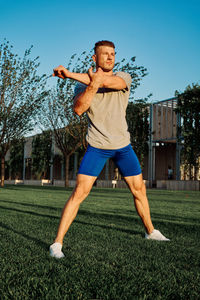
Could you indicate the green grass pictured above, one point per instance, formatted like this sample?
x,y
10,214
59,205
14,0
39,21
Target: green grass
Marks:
x,y
107,256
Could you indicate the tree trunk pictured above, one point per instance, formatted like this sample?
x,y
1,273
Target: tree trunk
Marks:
x,y
67,170
196,169
185,173
2,171
190,173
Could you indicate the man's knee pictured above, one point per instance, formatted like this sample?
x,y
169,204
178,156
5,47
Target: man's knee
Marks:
x,y
83,187
81,192
137,189
136,184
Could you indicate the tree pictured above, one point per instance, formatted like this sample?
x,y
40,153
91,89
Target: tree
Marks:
x,y
41,154
70,130
16,158
22,92
138,125
188,106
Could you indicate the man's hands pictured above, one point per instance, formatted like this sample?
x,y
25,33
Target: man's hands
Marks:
x,y
83,100
97,78
101,79
61,72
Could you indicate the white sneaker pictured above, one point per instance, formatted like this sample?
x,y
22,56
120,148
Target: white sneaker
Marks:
x,y
156,235
55,250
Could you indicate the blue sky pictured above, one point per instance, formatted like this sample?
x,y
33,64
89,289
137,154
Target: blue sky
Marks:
x,y
162,34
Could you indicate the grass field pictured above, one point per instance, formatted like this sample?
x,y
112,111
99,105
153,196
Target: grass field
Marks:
x,y
107,256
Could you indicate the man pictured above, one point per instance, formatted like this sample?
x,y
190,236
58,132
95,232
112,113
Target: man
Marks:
x,y
170,172
103,95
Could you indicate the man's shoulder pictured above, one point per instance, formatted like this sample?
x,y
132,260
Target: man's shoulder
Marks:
x,y
125,76
122,73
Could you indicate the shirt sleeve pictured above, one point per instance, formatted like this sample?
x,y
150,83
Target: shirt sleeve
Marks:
x,y
126,77
79,88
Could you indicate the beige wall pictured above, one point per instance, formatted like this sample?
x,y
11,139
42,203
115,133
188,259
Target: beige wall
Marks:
x,y
164,123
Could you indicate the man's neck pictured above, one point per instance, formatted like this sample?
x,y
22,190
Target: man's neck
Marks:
x,y
109,73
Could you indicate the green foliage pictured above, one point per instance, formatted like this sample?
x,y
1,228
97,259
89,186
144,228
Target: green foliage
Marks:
x,y
69,129
188,106
21,90
137,115
16,158
41,154
22,94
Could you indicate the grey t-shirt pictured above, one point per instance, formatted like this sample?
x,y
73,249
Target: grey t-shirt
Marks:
x,y
107,128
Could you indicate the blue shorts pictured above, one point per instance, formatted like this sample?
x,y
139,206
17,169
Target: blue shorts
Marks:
x,y
124,158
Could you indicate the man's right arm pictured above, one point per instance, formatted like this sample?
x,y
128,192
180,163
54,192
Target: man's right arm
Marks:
x,y
83,100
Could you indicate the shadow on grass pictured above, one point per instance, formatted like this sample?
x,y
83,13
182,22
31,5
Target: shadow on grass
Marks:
x,y
36,187
161,218
111,217
175,219
29,212
31,205
95,190
111,227
40,243
174,201
110,221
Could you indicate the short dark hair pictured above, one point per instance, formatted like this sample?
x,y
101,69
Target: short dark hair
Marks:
x,y
103,43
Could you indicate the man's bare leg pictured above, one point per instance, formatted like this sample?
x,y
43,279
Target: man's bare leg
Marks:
x,y
138,189
84,184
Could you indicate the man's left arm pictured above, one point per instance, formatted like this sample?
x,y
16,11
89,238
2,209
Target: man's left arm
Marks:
x,y
120,81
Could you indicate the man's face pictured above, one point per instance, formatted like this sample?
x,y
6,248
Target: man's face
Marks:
x,y
105,58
